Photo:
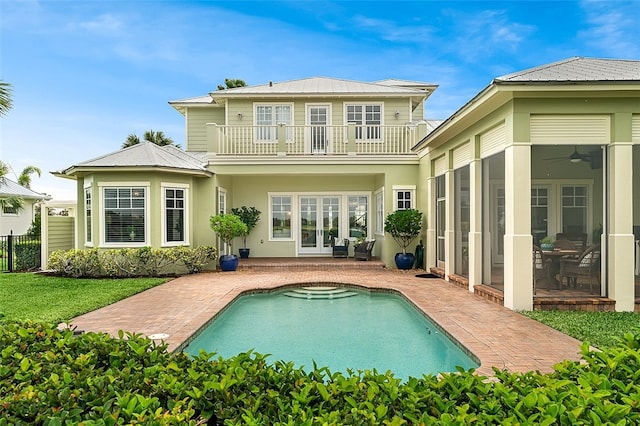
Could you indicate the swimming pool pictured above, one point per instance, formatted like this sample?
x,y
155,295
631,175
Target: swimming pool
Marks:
x,y
340,328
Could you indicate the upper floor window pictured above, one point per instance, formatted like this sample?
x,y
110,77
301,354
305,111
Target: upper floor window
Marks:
x,y
9,210
368,118
124,214
268,117
404,197
174,214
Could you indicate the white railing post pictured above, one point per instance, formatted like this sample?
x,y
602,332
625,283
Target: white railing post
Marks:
x,y
351,139
213,139
282,139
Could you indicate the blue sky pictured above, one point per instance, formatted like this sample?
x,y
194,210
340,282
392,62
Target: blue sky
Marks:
x,y
86,74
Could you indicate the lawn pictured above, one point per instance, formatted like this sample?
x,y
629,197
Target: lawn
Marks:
x,y
56,299
600,329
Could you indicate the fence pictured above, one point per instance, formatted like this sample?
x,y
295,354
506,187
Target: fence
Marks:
x,y
19,253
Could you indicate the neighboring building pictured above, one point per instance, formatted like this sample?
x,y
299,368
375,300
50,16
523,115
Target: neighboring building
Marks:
x,y
540,152
319,157
18,221
548,150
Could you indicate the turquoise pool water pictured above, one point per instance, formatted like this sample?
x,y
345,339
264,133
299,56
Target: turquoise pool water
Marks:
x,y
346,329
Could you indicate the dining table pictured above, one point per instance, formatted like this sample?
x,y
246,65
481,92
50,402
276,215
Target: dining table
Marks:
x,y
555,256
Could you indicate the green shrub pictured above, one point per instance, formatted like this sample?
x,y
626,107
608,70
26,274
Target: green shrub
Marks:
x,y
27,255
49,376
125,263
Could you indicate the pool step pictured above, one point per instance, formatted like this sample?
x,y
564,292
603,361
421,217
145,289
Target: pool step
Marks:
x,y
320,293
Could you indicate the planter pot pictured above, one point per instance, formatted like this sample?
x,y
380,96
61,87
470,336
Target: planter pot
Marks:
x,y
244,253
229,262
547,246
404,260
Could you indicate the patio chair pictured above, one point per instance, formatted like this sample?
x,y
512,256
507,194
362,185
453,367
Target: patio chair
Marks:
x,y
363,251
578,238
586,265
340,247
540,267
565,245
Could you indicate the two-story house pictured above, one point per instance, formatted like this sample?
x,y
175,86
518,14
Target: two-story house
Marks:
x,y
321,158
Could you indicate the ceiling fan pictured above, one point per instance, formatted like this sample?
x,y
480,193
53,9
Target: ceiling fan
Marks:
x,y
574,157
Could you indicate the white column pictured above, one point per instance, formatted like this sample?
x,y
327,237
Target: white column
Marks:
x,y
620,249
518,242
475,226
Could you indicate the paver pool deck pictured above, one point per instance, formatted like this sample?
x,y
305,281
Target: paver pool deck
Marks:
x,y
496,336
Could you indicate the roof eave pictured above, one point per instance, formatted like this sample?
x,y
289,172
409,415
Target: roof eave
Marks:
x,y
75,171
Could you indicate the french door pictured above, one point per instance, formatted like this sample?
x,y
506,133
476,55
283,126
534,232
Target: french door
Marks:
x,y
318,118
319,221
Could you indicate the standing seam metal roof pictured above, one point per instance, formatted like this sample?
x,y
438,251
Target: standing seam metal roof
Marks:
x,y
578,69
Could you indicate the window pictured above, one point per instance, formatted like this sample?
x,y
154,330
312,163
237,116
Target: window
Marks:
x,y
281,217
440,218
9,210
124,214
358,216
380,211
368,118
267,119
574,209
174,217
404,197
87,215
539,213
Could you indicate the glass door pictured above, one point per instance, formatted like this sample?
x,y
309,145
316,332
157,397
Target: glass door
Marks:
x,y
318,116
319,222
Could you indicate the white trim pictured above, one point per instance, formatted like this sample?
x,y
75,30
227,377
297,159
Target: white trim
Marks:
x,y
87,242
379,205
147,187
163,213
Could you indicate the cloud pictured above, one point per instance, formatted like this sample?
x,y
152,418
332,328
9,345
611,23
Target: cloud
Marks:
x,y
105,24
392,31
613,28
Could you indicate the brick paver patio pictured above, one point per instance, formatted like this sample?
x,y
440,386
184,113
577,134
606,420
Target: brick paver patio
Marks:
x,y
495,335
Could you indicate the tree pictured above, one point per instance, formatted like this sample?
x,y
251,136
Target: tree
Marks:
x,y
13,202
5,97
25,177
152,136
230,83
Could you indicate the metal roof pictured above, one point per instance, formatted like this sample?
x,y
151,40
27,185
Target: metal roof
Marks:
x,y
578,69
318,86
145,154
9,188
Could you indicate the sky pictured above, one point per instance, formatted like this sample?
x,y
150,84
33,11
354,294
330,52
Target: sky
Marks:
x,y
86,74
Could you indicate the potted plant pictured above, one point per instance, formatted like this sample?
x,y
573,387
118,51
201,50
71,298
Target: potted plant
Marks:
x,y
546,243
250,217
228,227
404,226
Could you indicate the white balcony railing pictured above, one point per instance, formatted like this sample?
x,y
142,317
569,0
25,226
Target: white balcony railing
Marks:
x,y
313,140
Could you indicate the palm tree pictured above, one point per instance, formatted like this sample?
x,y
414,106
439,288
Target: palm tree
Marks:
x,y
5,97
25,177
13,202
230,83
152,136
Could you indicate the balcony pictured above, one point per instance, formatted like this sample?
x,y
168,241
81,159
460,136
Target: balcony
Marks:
x,y
285,140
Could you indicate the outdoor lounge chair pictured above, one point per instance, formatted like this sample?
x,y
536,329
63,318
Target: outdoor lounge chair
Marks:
x,y
587,265
363,251
340,247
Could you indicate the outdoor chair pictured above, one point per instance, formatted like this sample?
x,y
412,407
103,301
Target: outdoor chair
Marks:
x,y
340,247
578,238
565,245
363,250
540,267
586,265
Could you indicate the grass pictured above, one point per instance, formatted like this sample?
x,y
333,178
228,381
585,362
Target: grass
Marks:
x,y
55,299
599,329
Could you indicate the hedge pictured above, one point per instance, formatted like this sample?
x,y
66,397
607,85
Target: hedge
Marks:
x,y
27,255
54,377
138,262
